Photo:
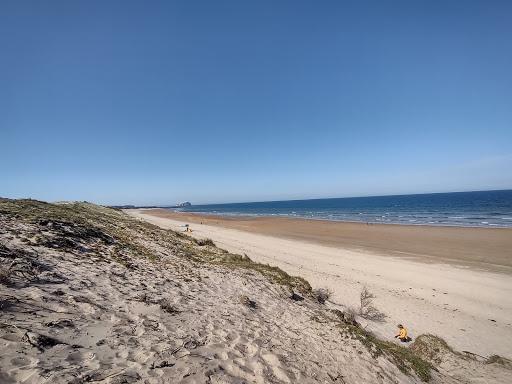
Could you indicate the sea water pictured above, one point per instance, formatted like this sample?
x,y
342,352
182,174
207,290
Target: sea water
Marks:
x,y
469,209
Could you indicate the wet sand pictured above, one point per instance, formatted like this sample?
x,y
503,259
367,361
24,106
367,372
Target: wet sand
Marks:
x,y
483,248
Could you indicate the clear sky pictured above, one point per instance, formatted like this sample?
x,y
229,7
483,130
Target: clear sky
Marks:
x,y
154,102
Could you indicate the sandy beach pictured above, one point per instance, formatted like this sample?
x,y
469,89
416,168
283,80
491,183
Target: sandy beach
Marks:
x,y
452,282
486,248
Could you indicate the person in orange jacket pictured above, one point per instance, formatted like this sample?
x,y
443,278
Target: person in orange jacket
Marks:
x,y
402,334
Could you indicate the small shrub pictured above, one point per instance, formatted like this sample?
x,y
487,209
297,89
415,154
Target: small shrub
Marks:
x,y
273,273
366,308
204,242
322,294
347,317
406,359
497,359
350,315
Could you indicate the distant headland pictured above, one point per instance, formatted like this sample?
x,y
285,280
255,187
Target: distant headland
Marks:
x,y
129,206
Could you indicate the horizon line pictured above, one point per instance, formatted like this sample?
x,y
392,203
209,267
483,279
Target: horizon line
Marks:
x,y
310,199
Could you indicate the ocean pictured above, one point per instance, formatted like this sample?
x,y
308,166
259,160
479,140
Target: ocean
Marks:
x,y
467,209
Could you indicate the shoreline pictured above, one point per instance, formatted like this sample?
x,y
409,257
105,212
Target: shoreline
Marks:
x,y
476,247
284,216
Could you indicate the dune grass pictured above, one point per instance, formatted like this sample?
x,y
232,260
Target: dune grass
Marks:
x,y
406,359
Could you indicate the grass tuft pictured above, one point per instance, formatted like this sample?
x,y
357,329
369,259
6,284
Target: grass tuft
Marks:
x,y
406,359
497,359
204,242
322,294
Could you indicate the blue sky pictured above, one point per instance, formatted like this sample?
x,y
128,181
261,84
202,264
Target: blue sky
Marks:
x,y
219,101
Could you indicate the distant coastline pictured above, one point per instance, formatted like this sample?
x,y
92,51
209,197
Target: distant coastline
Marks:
x,y
129,206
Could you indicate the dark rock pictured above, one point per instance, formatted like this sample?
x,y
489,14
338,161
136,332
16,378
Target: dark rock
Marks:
x,y
296,297
62,323
248,302
163,364
41,342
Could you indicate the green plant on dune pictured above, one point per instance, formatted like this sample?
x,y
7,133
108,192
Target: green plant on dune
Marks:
x,y
431,348
406,359
204,242
274,274
497,359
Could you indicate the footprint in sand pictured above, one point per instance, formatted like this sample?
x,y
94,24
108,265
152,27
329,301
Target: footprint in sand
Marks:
x,y
275,365
23,361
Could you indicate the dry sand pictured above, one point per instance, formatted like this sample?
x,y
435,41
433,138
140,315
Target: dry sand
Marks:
x,y
463,293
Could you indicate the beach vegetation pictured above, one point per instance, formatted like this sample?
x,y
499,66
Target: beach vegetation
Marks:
x,y
431,348
366,308
204,242
322,294
350,315
497,359
407,360
434,349
274,274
